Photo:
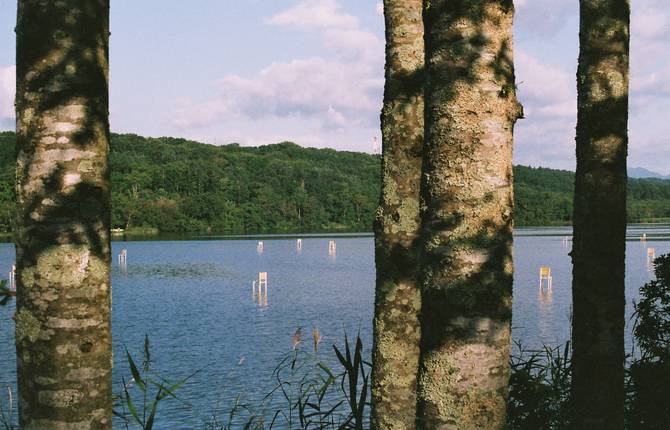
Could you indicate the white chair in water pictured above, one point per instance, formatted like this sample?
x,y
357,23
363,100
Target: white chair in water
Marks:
x,y
651,256
262,282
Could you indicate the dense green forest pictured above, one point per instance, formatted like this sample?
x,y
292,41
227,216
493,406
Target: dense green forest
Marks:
x,y
176,185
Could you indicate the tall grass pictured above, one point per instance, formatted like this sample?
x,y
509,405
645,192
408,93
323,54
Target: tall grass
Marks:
x,y
7,419
314,395
539,390
137,402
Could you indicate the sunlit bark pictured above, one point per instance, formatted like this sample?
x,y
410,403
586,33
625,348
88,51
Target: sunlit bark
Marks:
x,y
398,300
471,109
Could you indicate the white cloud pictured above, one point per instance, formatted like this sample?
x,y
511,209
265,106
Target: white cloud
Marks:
x,y
7,88
546,135
540,82
650,85
379,8
648,22
311,14
654,84
544,18
332,97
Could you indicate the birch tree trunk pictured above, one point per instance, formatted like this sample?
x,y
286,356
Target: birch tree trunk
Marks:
x,y
398,300
471,109
599,244
63,337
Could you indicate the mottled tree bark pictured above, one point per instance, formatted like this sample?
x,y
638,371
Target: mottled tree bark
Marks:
x,y
63,337
600,215
471,109
398,300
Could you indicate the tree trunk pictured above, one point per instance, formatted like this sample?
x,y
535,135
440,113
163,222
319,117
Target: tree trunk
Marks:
x,y
599,244
397,227
471,109
63,337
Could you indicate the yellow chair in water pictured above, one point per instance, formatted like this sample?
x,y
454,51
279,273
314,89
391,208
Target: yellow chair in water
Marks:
x,y
545,273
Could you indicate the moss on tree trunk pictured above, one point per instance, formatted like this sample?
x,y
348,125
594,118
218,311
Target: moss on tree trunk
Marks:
x,y
471,109
397,227
600,215
63,337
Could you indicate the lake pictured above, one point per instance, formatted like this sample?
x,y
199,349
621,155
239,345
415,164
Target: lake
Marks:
x,y
194,300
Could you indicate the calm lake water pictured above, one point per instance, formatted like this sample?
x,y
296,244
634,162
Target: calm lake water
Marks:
x,y
194,300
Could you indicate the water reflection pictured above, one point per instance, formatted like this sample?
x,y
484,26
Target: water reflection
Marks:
x,y
651,256
332,250
261,299
545,298
262,286
123,261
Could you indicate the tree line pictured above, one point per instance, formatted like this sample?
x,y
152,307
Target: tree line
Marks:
x,y
177,185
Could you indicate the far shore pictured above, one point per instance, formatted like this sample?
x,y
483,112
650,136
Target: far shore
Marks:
x,y
154,234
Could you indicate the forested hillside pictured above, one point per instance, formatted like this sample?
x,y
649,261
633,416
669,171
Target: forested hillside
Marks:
x,y
178,185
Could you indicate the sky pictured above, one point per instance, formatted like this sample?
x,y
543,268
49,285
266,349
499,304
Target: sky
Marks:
x,y
311,71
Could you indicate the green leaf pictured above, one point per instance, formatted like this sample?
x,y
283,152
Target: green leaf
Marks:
x,y
136,374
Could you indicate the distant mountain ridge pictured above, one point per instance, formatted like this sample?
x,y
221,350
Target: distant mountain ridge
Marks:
x,y
176,185
641,172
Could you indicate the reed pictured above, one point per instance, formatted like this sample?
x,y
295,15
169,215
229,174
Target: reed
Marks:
x,y
7,419
315,397
137,402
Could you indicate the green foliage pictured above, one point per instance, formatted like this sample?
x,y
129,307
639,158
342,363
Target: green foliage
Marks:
x,y
652,314
649,381
5,293
539,388
177,185
7,420
152,388
315,397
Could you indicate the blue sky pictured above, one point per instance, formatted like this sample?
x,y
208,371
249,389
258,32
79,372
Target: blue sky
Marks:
x,y
311,71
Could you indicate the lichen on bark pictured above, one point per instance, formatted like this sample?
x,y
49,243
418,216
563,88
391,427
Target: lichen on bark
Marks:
x,y
471,109
397,298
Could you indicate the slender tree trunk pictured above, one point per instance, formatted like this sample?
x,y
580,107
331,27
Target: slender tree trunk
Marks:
x,y
599,245
63,337
398,300
471,109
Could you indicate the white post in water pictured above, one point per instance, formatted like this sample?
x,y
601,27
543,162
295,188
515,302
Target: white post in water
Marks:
x,y
259,247
651,256
263,282
332,248
644,237
298,245
545,273
123,257
12,277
